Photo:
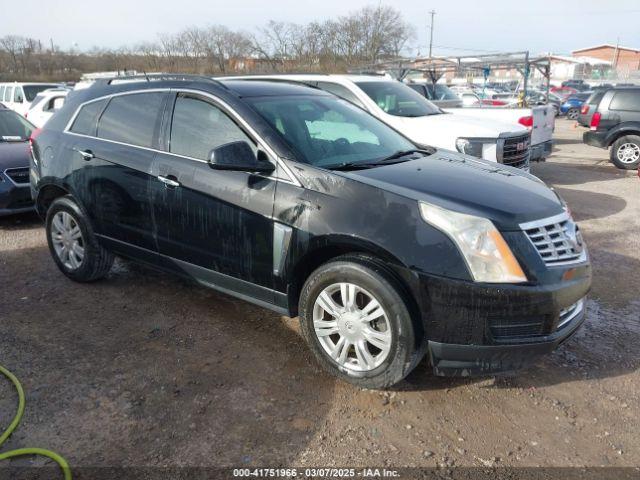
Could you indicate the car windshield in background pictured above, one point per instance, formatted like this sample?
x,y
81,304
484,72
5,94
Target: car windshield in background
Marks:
x,y
442,92
30,91
14,128
328,132
398,99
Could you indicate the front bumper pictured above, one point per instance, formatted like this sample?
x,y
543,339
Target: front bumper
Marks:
x,y
480,329
595,139
472,360
541,151
14,198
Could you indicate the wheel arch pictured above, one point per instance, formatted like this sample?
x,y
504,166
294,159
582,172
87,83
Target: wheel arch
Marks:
x,y
332,247
621,132
46,196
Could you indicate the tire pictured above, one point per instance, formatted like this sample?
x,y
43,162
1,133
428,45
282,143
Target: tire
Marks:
x,y
69,233
572,113
625,152
398,344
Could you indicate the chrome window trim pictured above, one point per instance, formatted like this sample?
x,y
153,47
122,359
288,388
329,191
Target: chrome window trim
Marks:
x,y
226,107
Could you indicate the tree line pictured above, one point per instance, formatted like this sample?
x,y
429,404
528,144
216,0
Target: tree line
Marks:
x,y
362,37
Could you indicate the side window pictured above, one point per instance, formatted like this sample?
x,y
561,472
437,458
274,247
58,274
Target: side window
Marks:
x,y
8,94
85,122
418,88
18,96
340,91
133,119
626,101
199,126
1,92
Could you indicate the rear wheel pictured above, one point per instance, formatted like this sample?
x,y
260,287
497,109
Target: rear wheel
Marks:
x,y
72,243
625,152
572,113
357,323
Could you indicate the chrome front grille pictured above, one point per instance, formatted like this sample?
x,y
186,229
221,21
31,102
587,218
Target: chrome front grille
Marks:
x,y
19,176
516,151
558,239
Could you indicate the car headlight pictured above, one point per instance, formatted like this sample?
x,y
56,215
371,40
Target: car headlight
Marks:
x,y
488,256
470,147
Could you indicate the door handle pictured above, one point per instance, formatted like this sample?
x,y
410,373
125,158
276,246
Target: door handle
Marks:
x,y
169,181
85,154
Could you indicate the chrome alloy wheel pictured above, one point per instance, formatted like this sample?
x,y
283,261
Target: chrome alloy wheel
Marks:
x,y
67,240
628,153
352,327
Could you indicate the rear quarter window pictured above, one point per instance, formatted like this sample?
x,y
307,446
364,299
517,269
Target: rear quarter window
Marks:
x,y
626,100
85,122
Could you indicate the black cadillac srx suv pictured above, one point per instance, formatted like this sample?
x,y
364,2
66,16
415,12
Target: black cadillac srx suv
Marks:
x,y
296,200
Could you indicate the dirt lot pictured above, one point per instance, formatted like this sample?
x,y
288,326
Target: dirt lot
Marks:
x,y
146,369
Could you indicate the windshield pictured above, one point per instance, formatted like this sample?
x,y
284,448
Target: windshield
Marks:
x,y
13,127
327,131
442,92
30,91
397,99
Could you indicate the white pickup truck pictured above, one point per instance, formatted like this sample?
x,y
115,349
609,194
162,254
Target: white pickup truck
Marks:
x,y
399,106
539,120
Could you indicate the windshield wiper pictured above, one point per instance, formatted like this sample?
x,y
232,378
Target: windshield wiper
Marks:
x,y
399,154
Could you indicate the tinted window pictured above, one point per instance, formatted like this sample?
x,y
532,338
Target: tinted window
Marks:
x,y
327,131
442,92
626,100
13,126
418,88
198,127
397,99
340,91
7,94
30,91
18,97
595,97
85,122
132,119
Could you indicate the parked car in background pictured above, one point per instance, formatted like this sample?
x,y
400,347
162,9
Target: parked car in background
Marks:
x,y
539,120
572,105
18,96
616,125
413,115
563,92
45,105
15,131
579,85
438,94
295,200
590,105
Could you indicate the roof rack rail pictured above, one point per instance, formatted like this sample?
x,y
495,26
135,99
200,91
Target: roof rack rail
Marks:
x,y
159,76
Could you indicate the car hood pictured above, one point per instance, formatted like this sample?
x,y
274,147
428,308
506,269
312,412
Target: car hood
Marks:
x,y
505,195
14,154
463,125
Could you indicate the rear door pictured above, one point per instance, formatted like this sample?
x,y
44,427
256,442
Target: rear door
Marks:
x,y
215,225
115,145
623,107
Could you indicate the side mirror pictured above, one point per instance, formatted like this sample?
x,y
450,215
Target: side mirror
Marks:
x,y
239,156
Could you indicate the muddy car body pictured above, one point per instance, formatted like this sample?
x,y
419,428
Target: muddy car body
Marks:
x,y
365,239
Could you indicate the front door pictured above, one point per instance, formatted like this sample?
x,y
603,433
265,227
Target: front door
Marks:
x,y
212,224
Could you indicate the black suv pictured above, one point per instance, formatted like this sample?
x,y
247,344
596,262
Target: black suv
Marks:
x,y
616,124
291,198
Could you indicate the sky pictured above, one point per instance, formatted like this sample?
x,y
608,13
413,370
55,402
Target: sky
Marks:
x,y
460,27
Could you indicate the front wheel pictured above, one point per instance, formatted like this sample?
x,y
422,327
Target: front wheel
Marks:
x,y
73,244
357,323
625,152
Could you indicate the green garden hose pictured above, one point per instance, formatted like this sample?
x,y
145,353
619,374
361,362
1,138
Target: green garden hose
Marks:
x,y
64,466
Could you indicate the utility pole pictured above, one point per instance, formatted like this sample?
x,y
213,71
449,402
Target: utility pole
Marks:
x,y
432,12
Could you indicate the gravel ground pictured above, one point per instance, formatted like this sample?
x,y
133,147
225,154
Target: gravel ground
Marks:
x,y
144,369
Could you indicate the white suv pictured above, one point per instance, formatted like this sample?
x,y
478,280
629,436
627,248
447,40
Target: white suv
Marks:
x,y
18,96
45,105
417,118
